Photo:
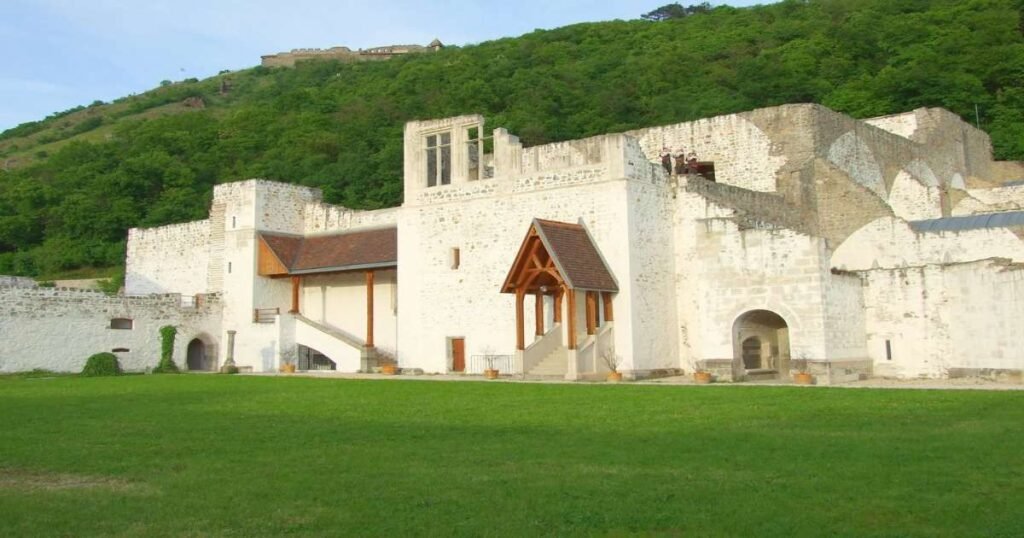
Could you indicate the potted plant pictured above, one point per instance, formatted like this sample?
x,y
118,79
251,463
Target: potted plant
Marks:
x,y
803,374
701,376
611,360
490,372
288,367
389,369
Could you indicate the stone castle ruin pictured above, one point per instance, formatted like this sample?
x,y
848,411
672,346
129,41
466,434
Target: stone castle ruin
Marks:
x,y
345,54
803,239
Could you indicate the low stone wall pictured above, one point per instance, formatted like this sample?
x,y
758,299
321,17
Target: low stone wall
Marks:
x,y
59,328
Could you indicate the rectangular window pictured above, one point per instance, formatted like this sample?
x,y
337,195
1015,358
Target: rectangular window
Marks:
x,y
439,159
473,153
233,222
455,257
229,268
432,161
446,158
121,323
888,350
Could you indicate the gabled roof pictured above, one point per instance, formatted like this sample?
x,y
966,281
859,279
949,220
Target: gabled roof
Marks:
x,y
571,250
367,249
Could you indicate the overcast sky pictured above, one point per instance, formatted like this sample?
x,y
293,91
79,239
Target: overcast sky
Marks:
x,y
65,53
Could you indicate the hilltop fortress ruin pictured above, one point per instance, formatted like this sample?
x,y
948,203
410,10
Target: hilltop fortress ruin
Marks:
x,y
345,54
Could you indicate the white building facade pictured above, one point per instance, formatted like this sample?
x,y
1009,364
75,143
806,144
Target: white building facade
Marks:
x,y
801,238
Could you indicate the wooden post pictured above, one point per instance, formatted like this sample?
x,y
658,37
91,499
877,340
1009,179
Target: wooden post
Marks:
x,y
591,307
296,285
520,337
558,305
572,317
369,309
606,298
538,313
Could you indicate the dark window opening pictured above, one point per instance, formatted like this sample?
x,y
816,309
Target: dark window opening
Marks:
x,y
121,323
120,350
706,170
888,350
456,256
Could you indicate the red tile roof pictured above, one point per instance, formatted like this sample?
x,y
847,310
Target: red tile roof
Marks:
x,y
576,256
573,252
336,252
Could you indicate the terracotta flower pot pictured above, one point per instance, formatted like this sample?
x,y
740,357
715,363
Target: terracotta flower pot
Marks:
x,y
491,373
389,369
803,378
702,377
614,377
288,368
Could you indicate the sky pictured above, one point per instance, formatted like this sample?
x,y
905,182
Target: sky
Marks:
x,y
65,53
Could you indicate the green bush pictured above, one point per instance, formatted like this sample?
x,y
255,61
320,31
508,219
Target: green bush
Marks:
x,y
101,364
167,365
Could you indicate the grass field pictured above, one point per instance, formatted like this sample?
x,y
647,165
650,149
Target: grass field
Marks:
x,y
247,456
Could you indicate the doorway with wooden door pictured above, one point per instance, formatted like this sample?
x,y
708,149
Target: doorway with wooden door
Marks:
x,y
457,351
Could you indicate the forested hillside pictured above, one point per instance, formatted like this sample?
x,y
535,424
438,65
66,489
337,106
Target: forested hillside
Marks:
x,y
75,182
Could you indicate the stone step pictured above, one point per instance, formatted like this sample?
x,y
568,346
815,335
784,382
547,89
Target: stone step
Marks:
x,y
761,375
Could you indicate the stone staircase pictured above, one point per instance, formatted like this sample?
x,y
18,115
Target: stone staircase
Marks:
x,y
374,358
553,365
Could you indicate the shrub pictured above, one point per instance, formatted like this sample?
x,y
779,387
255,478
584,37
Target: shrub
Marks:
x,y
167,365
101,364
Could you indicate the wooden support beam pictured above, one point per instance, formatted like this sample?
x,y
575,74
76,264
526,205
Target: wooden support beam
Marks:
x,y
369,309
591,307
520,337
606,298
538,313
572,317
558,305
296,286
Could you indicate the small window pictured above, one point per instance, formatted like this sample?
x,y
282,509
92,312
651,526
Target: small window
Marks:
x,y
233,222
888,350
455,257
121,323
120,350
229,268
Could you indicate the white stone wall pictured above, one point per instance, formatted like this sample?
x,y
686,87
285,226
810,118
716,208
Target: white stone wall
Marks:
x,y
742,152
652,283
939,317
910,199
904,125
727,272
854,157
325,218
168,259
437,302
890,242
339,301
59,328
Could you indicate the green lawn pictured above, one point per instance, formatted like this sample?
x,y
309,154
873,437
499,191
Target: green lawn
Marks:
x,y
247,456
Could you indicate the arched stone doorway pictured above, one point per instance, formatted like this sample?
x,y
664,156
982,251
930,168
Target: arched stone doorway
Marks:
x,y
761,343
196,358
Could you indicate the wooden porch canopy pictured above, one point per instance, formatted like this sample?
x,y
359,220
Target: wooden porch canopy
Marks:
x,y
559,258
295,256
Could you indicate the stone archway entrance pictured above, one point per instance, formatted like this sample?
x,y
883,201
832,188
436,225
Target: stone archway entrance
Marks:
x,y
197,358
761,344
